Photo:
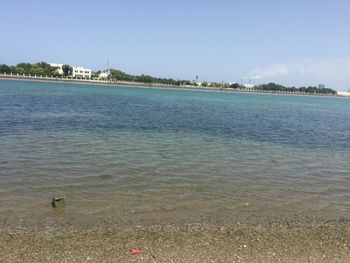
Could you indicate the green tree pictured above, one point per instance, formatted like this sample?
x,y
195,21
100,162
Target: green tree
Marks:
x,y
19,70
95,75
5,69
67,70
26,66
120,75
55,74
234,85
37,71
45,68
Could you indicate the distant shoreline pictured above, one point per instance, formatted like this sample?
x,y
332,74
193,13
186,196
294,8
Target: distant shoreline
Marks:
x,y
158,86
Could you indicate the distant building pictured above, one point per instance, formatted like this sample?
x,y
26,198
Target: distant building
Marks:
x,y
81,72
103,75
321,86
78,72
343,94
248,86
58,66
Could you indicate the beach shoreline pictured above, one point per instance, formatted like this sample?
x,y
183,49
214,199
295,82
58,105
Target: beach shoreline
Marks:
x,y
315,240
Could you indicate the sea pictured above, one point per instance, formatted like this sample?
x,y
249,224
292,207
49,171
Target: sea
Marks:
x,y
146,152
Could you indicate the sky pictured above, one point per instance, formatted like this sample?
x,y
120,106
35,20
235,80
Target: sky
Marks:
x,y
294,43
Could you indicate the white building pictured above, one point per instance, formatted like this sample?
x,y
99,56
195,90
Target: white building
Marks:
x,y
248,86
78,72
103,75
58,66
81,72
343,93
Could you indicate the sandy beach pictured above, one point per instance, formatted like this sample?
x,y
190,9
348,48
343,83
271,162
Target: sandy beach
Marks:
x,y
312,240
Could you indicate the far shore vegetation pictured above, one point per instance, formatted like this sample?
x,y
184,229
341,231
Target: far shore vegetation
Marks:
x,y
46,70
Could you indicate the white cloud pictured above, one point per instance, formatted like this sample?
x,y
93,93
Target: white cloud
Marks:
x,y
334,71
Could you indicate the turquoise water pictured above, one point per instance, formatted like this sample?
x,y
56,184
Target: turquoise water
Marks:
x,y
125,151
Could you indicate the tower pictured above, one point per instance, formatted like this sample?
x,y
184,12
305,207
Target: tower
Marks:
x,y
108,70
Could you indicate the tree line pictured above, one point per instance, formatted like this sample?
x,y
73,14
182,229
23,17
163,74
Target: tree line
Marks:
x,y
122,76
38,69
280,88
45,69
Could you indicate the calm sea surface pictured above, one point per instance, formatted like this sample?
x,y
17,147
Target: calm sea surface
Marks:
x,y
113,151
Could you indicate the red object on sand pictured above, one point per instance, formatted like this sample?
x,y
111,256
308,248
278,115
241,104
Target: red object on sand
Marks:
x,y
135,251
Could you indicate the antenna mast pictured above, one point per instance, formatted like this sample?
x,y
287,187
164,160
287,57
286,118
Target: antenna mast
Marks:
x,y
108,71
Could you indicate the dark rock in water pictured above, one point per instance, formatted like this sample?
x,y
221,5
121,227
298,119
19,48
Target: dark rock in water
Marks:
x,y
58,202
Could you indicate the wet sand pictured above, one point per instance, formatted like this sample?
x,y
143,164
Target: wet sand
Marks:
x,y
314,240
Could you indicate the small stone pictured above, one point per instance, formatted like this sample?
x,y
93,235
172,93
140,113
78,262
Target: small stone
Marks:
x,y
58,202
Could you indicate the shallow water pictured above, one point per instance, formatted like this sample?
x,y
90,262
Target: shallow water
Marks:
x,y
124,150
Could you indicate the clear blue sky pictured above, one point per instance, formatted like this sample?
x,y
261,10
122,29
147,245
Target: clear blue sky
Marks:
x,y
297,42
